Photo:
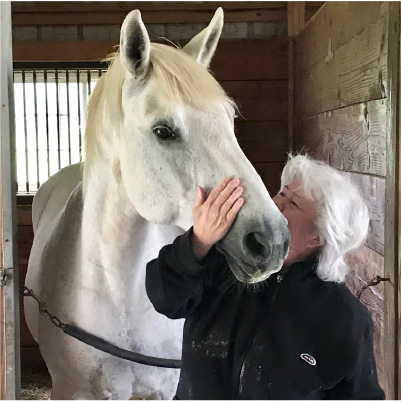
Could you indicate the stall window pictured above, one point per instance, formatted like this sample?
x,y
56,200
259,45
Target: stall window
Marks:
x,y
50,104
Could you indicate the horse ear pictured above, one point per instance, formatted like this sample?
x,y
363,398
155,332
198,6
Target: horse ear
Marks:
x,y
134,45
203,45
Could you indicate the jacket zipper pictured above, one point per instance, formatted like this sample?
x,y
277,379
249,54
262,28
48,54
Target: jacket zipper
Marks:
x,y
279,279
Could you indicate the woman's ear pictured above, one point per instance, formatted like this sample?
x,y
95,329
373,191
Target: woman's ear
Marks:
x,y
316,240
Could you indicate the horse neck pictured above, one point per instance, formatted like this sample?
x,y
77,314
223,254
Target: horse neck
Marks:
x,y
110,223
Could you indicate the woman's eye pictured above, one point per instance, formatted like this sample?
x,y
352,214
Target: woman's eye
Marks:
x,y
164,133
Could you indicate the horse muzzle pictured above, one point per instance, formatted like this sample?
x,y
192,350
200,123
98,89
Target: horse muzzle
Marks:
x,y
256,252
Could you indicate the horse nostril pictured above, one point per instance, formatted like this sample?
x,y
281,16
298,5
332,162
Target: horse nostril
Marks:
x,y
257,245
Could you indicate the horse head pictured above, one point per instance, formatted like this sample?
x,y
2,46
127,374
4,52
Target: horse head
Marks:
x,y
170,128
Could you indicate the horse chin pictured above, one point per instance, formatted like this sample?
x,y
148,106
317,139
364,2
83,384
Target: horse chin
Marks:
x,y
248,274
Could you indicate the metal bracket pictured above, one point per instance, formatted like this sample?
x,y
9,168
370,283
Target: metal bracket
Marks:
x,y
3,278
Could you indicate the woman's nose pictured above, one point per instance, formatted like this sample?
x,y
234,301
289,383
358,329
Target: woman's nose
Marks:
x,y
279,203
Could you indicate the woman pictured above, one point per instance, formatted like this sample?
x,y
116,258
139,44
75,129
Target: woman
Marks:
x,y
298,335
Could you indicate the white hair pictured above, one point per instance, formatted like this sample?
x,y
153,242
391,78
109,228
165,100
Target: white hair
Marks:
x,y
342,216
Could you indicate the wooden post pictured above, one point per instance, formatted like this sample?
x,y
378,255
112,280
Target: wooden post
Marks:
x,y
392,212
295,17
9,306
295,23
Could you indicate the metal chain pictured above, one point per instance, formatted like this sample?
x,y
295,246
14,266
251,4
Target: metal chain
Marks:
x,y
26,292
376,280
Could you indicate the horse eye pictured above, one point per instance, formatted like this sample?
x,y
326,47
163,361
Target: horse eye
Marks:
x,y
164,133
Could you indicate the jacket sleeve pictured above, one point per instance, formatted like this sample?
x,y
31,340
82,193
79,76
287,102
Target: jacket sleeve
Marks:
x,y
362,382
175,280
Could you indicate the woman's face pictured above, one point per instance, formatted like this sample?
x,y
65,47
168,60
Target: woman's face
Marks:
x,y
300,212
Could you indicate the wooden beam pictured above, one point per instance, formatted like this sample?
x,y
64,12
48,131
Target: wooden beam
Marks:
x,y
352,138
392,212
127,6
356,73
295,23
295,17
167,12
337,25
269,56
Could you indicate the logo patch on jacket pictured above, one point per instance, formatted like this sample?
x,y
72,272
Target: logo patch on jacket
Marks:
x,y
308,359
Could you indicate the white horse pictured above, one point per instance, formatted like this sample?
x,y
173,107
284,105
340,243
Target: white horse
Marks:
x,y
158,124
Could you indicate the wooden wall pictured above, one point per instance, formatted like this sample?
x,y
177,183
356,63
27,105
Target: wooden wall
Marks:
x,y
251,63
341,111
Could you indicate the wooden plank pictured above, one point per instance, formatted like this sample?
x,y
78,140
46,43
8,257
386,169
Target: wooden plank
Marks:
x,y
392,255
24,215
85,13
373,300
367,264
263,141
356,73
32,361
235,59
270,174
148,16
295,17
352,138
25,240
251,59
291,94
259,100
335,24
127,6
26,338
373,189
110,13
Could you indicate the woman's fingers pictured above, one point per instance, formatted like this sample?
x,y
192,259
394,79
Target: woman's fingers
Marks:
x,y
223,192
234,210
217,190
228,204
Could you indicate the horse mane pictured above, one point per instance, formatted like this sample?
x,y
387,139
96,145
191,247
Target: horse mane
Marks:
x,y
181,79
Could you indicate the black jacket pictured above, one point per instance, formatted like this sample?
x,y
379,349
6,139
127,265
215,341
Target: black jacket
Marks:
x,y
292,337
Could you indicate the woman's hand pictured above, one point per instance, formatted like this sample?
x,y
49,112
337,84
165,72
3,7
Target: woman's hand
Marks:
x,y
214,216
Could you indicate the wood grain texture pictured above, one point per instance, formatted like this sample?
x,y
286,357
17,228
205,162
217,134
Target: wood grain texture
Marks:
x,y
270,174
373,300
392,308
295,17
351,139
373,189
235,59
259,100
263,141
357,72
25,239
24,215
107,12
367,264
334,25
251,59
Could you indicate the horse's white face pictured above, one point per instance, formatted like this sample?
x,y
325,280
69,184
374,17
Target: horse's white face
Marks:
x,y
167,149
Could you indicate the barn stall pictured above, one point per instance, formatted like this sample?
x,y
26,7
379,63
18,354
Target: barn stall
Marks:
x,y
320,77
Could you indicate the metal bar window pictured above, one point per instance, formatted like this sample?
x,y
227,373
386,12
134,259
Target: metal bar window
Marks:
x,y
50,102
